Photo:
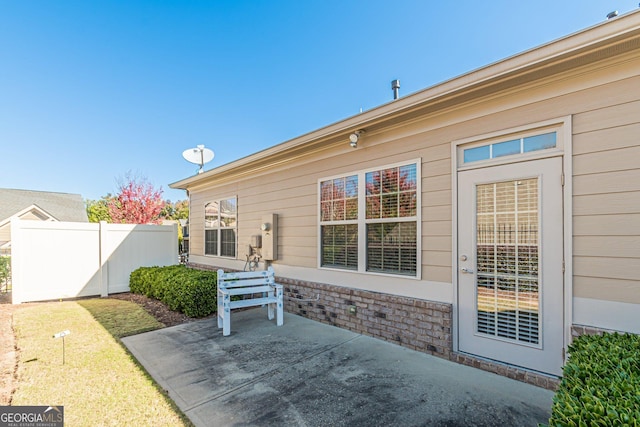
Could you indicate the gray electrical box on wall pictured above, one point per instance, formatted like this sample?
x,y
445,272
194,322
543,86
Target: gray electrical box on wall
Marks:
x,y
256,241
269,237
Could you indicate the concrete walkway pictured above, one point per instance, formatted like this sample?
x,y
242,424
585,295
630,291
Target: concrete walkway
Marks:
x,y
309,374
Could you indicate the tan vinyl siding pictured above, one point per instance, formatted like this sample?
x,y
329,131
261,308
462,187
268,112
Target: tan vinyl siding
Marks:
x,y
616,289
618,137
293,198
607,268
34,216
615,225
606,201
437,213
613,116
607,246
624,181
437,273
622,159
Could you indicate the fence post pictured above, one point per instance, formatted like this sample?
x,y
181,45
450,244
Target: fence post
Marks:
x,y
16,282
176,248
104,259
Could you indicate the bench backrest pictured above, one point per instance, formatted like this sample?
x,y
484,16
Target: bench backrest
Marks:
x,y
245,278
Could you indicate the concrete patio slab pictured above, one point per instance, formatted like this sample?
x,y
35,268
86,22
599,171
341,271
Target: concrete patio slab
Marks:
x,y
305,373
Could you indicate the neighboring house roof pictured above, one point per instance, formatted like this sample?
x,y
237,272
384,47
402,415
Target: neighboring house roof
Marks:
x,y
32,212
597,43
58,206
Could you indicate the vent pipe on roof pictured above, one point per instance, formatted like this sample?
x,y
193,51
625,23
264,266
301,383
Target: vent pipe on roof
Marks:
x,y
395,85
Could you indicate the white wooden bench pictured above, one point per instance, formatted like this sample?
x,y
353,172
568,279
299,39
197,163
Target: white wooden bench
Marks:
x,y
257,287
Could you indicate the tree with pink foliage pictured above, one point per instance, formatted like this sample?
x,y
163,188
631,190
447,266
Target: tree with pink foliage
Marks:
x,y
137,202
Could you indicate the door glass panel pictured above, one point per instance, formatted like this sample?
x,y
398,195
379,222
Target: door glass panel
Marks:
x,y
507,288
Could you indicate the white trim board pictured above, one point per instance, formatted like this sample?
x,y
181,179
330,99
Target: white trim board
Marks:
x,y
617,316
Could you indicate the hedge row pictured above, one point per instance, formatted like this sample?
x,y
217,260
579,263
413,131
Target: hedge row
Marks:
x,y
192,292
5,269
601,383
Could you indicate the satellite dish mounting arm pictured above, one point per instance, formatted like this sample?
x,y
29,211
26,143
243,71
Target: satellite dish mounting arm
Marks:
x,y
198,156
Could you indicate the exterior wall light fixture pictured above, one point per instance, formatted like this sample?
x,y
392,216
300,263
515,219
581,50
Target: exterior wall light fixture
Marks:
x,y
354,138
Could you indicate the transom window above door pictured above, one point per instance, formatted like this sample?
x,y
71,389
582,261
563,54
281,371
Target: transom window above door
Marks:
x,y
510,147
535,141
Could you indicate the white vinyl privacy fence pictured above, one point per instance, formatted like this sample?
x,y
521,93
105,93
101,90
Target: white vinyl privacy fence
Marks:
x,y
56,260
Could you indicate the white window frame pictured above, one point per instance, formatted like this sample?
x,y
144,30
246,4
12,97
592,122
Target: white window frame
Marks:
x,y
219,230
516,133
362,221
342,222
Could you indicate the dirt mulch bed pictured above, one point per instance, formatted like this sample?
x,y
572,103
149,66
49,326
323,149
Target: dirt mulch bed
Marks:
x,y
155,308
8,351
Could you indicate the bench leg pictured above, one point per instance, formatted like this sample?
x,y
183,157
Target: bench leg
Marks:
x,y
226,316
270,306
279,307
220,308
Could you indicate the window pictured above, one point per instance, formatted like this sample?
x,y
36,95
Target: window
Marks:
x,y
184,249
527,144
220,224
339,216
391,198
382,204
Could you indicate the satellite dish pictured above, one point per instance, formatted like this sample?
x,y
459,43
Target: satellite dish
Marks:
x,y
198,155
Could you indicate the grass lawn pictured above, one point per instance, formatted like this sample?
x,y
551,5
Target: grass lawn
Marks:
x,y
100,383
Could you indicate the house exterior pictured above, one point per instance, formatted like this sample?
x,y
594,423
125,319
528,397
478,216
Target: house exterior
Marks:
x,y
488,219
37,206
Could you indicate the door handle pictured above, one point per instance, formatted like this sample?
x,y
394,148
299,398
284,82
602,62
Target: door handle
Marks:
x,y
466,270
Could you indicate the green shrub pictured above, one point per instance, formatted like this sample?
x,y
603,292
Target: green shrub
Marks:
x,y
600,384
192,292
5,270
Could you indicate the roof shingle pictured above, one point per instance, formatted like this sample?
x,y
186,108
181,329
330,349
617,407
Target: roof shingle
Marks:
x,y
62,206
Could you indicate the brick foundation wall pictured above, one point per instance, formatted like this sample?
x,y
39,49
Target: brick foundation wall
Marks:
x,y
530,377
578,330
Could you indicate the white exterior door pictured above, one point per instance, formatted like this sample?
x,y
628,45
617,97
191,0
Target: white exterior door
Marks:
x,y
510,264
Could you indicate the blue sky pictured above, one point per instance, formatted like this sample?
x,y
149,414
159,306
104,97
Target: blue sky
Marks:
x,y
93,90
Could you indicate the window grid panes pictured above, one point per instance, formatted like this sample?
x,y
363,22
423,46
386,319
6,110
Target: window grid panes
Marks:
x,y
507,260
391,247
211,242
339,199
389,220
391,193
220,223
340,246
509,148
